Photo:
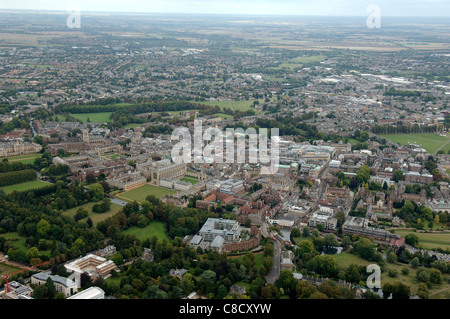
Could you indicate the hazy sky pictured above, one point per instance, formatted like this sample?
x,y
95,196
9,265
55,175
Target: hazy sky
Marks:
x,y
276,7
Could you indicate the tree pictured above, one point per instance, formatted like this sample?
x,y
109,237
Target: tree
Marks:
x,y
365,249
97,192
415,262
423,291
305,232
363,174
391,257
221,292
42,228
398,175
412,239
330,240
33,252
295,233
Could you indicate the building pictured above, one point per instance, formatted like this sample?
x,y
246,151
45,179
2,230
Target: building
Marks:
x,y
62,284
94,265
17,147
323,216
127,181
18,291
228,229
90,293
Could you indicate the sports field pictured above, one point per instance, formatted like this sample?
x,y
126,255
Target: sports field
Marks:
x,y
26,159
429,141
139,194
24,186
244,105
428,240
93,117
153,229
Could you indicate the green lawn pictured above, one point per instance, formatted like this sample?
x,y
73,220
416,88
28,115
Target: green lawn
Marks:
x,y
189,180
132,125
7,269
243,105
429,141
428,240
24,186
26,159
223,116
153,229
139,194
16,240
95,217
93,117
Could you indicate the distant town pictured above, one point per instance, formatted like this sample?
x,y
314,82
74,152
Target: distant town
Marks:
x,y
94,206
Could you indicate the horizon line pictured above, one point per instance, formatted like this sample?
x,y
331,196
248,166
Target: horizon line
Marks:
x,y
215,14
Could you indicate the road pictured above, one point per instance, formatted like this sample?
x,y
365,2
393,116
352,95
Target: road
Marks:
x,y
275,272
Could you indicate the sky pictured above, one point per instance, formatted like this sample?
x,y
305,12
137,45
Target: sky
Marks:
x,y
408,8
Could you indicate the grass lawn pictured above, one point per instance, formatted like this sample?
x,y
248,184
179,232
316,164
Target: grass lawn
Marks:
x,y
26,159
428,240
429,141
16,240
258,258
153,229
24,186
7,269
93,117
132,125
95,217
189,180
244,105
139,194
224,116
345,259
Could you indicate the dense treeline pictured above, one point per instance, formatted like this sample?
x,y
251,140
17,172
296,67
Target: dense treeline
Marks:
x,y
131,108
395,92
11,178
6,166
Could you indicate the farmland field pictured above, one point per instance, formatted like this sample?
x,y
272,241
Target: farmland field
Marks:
x,y
429,141
95,217
153,229
139,194
24,186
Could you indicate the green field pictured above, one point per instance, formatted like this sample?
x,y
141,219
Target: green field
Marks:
x,y
223,116
297,63
436,292
96,218
24,186
189,180
7,269
26,159
18,241
429,141
139,194
132,125
428,240
93,117
243,105
153,229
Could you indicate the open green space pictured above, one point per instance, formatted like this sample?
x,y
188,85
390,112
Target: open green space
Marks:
x,y
224,116
153,229
26,159
298,62
428,240
16,240
243,105
24,186
93,117
189,180
429,141
7,269
132,125
95,217
139,194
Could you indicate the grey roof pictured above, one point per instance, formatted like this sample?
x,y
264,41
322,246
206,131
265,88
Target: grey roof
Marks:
x,y
218,242
57,279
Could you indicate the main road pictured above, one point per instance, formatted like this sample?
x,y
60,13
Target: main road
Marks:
x,y
275,272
